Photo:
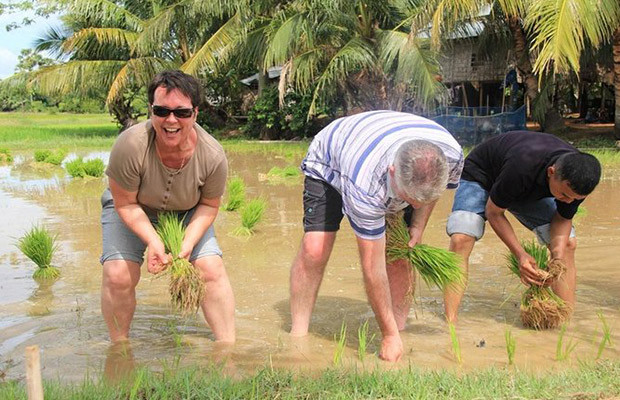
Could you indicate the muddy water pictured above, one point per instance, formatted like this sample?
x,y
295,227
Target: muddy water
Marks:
x,y
65,321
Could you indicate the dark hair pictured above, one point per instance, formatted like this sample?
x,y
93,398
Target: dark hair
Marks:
x,y
581,170
175,79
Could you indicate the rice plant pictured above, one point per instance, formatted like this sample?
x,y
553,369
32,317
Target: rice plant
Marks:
x,y
363,340
456,346
185,287
436,266
562,352
286,175
56,158
39,245
341,343
5,155
606,340
41,155
94,167
75,168
511,346
235,194
540,307
251,214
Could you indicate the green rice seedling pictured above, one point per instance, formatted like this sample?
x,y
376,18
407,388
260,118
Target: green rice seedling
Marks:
x,y
606,340
456,346
5,155
363,340
581,212
75,168
511,346
562,352
235,194
39,245
540,307
94,167
251,215
56,158
41,155
436,266
341,343
185,287
286,172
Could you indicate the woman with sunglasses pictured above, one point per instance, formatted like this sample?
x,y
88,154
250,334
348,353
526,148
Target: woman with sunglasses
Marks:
x,y
168,163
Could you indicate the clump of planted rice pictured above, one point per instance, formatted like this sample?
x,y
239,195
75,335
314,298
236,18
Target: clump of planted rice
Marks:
x,y
540,307
185,286
39,245
437,267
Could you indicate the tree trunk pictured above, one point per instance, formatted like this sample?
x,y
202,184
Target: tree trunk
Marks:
x,y
263,81
616,47
553,120
123,114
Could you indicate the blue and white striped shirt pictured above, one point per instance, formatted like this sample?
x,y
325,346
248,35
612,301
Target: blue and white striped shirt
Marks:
x,y
353,155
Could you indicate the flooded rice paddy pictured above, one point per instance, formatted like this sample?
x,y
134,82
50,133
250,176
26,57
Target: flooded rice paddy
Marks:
x,y
64,318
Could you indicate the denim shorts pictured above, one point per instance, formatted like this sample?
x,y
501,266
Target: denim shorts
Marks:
x,y
120,243
469,206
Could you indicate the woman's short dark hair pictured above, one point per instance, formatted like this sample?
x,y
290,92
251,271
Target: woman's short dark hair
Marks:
x,y
581,170
175,79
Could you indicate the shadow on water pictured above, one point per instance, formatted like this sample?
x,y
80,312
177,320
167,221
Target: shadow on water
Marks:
x,y
64,318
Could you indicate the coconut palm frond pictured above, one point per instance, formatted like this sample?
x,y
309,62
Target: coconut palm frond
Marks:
x,y
561,30
52,40
354,55
102,36
413,63
77,76
283,40
304,68
157,30
216,49
137,71
106,12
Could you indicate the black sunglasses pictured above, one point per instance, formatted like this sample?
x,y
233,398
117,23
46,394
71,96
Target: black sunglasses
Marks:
x,y
163,112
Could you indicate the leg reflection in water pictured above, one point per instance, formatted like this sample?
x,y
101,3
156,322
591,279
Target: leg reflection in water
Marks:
x,y
119,362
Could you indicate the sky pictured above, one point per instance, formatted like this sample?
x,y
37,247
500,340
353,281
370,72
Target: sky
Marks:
x,y
11,43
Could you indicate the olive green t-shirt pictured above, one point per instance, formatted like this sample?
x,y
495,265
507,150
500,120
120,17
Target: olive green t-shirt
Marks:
x,y
135,166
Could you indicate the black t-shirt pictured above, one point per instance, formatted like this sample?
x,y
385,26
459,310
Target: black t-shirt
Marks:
x,y
513,167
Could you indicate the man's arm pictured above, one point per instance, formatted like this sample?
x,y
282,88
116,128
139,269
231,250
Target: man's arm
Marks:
x,y
203,218
130,212
372,255
419,221
501,226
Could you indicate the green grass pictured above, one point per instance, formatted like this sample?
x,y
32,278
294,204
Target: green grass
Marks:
x,y
588,381
606,339
563,350
511,346
341,344
23,131
363,340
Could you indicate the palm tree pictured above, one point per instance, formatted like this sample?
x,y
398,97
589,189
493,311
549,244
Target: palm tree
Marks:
x,y
616,52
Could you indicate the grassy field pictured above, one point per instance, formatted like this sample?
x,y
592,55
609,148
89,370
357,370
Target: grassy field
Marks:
x,y
588,381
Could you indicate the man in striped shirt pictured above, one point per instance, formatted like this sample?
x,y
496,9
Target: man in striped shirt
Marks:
x,y
366,166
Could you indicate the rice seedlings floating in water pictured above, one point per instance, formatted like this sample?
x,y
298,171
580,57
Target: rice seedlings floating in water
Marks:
x,y
79,168
251,215
186,288
541,308
436,266
41,155
5,155
511,346
562,352
289,174
235,193
39,245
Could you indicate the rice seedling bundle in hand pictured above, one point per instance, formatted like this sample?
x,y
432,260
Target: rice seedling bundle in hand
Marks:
x,y
540,307
436,266
251,215
235,193
185,287
39,245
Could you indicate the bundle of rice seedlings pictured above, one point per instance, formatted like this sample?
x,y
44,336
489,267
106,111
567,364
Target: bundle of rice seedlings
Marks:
x,y
186,289
436,266
540,307
75,168
283,175
41,155
94,167
39,245
56,158
251,215
235,193
5,155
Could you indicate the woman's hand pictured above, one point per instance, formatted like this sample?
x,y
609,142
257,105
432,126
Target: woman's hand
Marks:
x,y
157,259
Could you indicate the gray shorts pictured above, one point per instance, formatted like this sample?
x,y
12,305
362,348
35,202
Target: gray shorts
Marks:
x,y
468,217
120,243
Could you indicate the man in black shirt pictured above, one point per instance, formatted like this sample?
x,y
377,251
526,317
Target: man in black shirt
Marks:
x,y
541,180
